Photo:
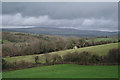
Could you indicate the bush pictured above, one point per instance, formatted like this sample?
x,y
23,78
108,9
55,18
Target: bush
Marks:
x,y
47,58
36,59
95,59
56,59
4,64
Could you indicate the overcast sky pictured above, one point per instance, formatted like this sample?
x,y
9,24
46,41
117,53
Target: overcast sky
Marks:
x,y
101,16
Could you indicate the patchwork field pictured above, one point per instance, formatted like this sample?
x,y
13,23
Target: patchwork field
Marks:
x,y
99,50
65,71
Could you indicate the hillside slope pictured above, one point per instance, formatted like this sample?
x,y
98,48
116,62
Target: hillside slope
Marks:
x,y
99,50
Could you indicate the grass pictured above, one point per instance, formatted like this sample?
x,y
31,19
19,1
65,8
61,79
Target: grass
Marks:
x,y
106,39
99,50
65,71
4,41
103,39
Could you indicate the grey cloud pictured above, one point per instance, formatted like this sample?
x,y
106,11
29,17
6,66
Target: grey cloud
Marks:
x,y
63,9
79,23
90,15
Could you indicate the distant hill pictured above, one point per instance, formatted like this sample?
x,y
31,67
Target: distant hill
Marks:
x,y
61,31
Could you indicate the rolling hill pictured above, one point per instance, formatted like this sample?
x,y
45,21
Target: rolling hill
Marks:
x,y
61,31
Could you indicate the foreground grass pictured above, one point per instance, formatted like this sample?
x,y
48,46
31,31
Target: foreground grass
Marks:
x,y
99,50
65,71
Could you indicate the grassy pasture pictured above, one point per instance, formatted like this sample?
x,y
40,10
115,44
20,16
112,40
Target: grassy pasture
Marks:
x,y
106,39
65,71
99,50
103,39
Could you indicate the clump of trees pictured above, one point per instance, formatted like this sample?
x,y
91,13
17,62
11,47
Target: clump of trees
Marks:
x,y
87,58
83,58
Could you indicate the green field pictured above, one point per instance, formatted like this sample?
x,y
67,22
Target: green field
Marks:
x,y
100,50
106,39
103,39
65,71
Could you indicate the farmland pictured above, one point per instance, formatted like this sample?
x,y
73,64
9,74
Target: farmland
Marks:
x,y
60,40
65,71
20,52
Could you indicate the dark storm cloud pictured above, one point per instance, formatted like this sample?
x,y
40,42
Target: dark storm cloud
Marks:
x,y
63,10
90,15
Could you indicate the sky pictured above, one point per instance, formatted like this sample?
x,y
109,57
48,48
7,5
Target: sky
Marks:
x,y
102,16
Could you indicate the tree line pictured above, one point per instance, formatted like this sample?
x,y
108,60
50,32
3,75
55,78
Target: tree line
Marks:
x,y
20,44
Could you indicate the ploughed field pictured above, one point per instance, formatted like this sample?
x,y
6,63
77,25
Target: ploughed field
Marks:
x,y
65,71
99,50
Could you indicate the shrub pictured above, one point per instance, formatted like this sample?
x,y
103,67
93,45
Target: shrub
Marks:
x,y
4,64
56,59
47,58
36,59
95,59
